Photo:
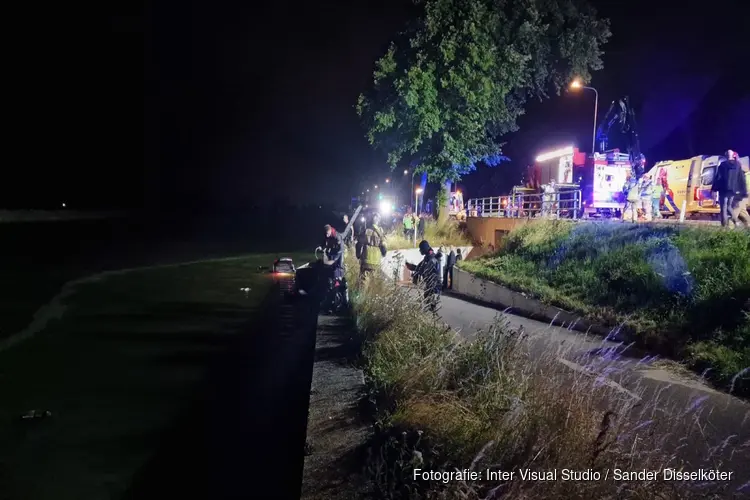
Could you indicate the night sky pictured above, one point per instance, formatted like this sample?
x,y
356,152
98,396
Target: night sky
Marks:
x,y
248,105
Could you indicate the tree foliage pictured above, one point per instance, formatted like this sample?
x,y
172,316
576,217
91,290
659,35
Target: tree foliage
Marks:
x,y
457,80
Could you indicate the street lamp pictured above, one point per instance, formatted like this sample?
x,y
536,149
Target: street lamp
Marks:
x,y
376,186
416,210
387,181
575,85
406,171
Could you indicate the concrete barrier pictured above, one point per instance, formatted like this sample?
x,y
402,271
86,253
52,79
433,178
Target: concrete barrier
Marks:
x,y
487,292
394,262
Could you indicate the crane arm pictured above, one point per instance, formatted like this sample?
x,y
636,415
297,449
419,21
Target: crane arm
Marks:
x,y
621,112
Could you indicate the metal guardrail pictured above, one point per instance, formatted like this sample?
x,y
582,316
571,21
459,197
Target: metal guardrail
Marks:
x,y
563,203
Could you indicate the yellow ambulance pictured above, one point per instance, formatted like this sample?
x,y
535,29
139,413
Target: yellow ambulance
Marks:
x,y
688,183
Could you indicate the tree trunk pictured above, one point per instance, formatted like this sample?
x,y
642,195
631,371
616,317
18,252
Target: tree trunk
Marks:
x,y
443,211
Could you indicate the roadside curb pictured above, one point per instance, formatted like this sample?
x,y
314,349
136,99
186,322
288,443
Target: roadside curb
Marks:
x,y
486,292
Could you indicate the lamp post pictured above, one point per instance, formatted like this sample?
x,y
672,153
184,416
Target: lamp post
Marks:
x,y
576,84
416,204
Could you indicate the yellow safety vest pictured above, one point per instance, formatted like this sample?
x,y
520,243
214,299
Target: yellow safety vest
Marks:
x,y
373,240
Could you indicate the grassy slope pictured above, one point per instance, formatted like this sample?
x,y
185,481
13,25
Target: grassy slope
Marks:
x,y
685,291
442,403
445,234
115,371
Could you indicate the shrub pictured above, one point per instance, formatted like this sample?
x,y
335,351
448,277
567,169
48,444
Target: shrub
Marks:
x,y
445,403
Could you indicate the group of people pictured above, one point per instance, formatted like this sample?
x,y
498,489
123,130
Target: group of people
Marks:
x,y
413,222
642,195
370,248
431,274
731,184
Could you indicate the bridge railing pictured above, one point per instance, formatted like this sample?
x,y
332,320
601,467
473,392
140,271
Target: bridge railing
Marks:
x,y
562,203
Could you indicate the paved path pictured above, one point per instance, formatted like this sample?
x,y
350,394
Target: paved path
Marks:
x,y
722,416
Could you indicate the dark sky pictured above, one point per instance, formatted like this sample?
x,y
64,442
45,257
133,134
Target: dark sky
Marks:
x,y
245,104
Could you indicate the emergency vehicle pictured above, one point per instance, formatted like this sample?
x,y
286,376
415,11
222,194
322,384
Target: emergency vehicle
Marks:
x,y
689,181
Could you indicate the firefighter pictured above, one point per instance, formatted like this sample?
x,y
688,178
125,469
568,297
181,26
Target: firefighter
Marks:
x,y
633,198
371,247
646,190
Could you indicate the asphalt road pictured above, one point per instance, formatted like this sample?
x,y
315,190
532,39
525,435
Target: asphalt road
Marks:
x,y
720,415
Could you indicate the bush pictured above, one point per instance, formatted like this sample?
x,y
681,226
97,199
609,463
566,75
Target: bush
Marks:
x,y
443,403
684,291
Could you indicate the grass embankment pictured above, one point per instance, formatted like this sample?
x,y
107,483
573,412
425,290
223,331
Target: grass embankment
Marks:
x,y
438,234
683,291
442,403
125,360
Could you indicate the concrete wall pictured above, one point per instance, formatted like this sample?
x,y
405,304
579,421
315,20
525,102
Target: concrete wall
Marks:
x,y
497,295
398,258
489,230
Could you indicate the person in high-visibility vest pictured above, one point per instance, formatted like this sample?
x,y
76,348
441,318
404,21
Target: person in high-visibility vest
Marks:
x,y
408,224
371,248
633,197
657,191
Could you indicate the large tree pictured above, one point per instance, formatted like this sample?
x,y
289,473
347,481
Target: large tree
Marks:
x,y
457,79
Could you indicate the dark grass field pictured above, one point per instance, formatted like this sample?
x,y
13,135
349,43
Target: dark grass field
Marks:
x,y
126,361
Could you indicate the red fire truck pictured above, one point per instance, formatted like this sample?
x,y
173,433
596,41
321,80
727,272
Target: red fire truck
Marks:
x,y
592,182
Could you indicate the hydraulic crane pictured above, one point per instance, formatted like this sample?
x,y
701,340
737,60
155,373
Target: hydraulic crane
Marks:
x,y
621,112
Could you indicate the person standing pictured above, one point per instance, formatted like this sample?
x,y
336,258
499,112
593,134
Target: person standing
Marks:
x,y
646,190
632,197
371,247
729,182
426,274
657,191
745,202
420,226
448,272
408,224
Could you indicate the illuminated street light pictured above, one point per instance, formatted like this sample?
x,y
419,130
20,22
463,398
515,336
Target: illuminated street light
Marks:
x,y
406,171
368,190
576,85
376,186
418,190
387,181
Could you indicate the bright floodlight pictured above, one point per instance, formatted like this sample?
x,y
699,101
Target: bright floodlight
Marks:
x,y
385,207
419,190
576,84
406,172
387,181
555,154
